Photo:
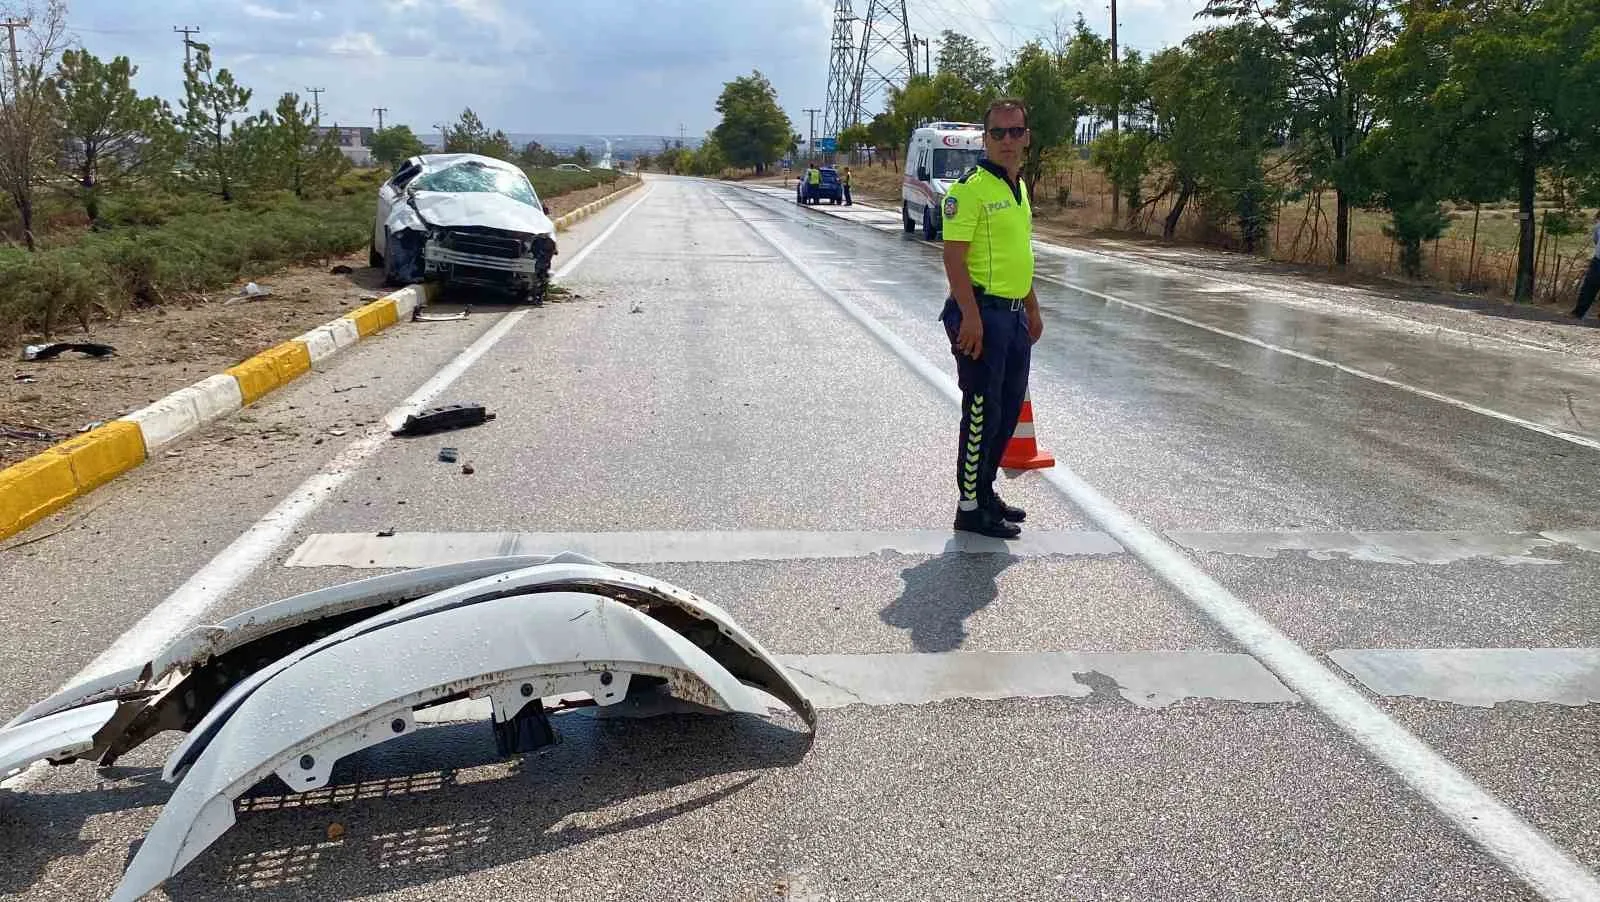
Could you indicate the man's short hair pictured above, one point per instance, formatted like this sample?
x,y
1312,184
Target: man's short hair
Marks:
x,y
1006,103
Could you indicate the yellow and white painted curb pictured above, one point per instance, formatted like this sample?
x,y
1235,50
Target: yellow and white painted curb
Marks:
x,y
49,481
584,212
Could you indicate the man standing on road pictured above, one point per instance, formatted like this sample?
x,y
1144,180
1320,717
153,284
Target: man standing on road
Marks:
x,y
845,180
992,314
1591,279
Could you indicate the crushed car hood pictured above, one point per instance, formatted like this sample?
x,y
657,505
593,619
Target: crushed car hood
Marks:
x,y
447,209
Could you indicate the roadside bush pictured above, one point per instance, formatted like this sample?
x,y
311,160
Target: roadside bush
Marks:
x,y
548,183
188,253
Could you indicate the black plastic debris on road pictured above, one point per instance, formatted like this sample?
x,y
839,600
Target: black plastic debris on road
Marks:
x,y
51,351
447,455
443,419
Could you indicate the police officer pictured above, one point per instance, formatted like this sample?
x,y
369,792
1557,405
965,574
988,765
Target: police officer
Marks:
x,y
846,180
991,314
814,179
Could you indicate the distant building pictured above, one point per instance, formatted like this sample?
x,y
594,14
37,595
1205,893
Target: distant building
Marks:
x,y
355,142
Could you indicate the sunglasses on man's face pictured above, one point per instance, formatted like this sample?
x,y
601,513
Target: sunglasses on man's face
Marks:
x,y
1015,132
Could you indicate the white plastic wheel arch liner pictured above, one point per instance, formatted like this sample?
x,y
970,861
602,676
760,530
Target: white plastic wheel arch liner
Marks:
x,y
63,735
729,646
145,688
358,687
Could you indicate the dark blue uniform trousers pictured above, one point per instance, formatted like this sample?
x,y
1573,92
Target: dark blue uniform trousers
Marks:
x,y
992,389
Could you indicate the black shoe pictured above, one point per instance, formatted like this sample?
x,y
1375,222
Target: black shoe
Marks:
x,y
985,522
1005,511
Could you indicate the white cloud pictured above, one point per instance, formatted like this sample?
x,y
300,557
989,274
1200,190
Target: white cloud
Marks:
x,y
355,43
482,10
256,11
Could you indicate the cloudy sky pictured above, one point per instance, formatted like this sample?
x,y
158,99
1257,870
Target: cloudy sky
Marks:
x,y
549,66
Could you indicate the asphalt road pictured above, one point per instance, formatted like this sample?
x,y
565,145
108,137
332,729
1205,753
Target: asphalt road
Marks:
x,y
736,377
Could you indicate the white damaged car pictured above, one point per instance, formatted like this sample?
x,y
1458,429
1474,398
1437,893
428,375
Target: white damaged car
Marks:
x,y
463,219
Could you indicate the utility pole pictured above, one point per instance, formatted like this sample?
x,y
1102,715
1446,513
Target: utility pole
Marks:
x,y
927,55
186,31
380,110
11,26
316,103
1116,108
811,145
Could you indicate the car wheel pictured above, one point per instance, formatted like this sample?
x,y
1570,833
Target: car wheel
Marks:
x,y
906,221
390,278
928,234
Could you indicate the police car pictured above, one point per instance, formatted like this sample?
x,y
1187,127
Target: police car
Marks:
x,y
939,153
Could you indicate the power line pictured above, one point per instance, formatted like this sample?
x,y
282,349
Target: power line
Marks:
x,y
316,103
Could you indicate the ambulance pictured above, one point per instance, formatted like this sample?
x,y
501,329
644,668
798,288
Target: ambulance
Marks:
x,y
940,153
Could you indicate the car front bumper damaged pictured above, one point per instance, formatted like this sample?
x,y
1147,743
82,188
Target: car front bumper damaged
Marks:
x,y
290,688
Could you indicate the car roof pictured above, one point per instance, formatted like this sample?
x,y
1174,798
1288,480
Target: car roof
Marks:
x,y
433,162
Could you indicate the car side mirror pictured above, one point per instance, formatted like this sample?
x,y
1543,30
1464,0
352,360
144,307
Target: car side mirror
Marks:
x,y
922,173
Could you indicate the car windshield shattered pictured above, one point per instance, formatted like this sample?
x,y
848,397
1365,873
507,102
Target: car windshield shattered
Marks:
x,y
475,177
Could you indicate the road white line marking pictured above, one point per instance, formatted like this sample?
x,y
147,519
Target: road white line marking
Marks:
x,y
1431,395
1500,831
365,550
1513,419
1481,677
1148,679
1137,260
234,564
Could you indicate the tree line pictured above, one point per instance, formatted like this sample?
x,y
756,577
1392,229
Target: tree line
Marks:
x,y
73,125
1391,105
73,128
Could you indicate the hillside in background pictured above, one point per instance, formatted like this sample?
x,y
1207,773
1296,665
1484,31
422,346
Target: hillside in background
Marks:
x,y
622,146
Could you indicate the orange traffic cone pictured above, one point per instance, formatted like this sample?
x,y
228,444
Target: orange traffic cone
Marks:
x,y
1022,452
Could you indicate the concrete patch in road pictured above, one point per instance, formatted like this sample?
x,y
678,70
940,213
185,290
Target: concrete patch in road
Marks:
x,y
1584,539
1412,547
1149,679
1406,547
1481,677
422,549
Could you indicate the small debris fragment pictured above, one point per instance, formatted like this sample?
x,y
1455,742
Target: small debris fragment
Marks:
x,y
341,270
51,351
251,292
467,469
32,435
447,455
386,533
337,432
336,829
88,426
417,316
340,391
23,377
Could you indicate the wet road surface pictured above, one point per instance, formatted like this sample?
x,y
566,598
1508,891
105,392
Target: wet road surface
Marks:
x,y
703,406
